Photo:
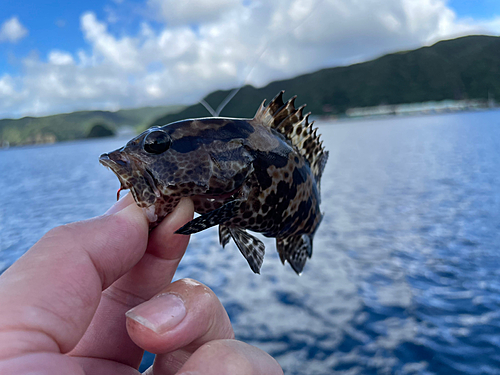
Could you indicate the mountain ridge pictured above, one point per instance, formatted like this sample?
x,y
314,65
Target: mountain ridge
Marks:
x,y
74,125
461,68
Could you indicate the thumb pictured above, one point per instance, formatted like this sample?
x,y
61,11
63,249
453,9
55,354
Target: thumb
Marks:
x,y
50,295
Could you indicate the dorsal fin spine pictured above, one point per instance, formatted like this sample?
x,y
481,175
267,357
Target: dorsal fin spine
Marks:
x,y
295,126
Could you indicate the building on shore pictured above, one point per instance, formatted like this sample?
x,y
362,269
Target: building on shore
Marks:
x,y
422,108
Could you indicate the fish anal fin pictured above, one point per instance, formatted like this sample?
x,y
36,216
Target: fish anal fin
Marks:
x,y
295,250
280,246
215,217
252,248
224,235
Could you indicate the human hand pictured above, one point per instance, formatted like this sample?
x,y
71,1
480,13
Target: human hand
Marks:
x,y
63,304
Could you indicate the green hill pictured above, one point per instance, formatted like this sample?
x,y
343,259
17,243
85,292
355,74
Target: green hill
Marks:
x,y
463,68
68,126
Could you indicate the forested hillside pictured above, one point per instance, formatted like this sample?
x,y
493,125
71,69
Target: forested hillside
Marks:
x,y
463,68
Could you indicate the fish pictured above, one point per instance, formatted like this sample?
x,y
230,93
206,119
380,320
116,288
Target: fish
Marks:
x,y
261,174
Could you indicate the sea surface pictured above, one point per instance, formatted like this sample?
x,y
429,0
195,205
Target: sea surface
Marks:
x,y
405,275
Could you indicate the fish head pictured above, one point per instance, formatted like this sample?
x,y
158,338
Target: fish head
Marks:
x,y
188,158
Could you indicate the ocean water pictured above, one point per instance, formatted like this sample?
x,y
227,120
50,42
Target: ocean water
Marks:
x,y
405,275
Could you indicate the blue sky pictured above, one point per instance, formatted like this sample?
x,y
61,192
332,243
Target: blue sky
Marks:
x,y
56,25
480,9
63,56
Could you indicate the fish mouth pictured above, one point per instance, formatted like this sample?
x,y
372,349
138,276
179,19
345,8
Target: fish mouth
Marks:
x,y
118,164
124,169
113,160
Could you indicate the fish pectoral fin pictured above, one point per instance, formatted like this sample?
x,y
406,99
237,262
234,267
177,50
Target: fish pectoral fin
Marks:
x,y
224,235
215,217
295,250
252,248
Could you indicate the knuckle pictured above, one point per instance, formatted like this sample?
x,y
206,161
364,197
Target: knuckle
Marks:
x,y
193,286
66,232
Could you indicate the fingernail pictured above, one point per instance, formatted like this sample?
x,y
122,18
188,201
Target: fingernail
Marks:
x,y
160,314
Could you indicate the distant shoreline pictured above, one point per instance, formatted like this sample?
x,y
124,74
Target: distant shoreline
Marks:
x,y
414,109
128,133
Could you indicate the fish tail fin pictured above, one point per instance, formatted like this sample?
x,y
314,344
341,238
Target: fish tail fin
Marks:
x,y
252,248
295,250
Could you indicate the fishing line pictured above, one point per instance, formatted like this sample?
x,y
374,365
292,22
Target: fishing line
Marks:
x,y
216,112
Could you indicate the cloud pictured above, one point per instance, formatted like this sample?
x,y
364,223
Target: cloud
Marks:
x,y
60,58
233,43
492,25
176,12
6,86
123,53
12,30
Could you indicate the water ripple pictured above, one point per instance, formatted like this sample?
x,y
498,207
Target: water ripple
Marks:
x,y
405,277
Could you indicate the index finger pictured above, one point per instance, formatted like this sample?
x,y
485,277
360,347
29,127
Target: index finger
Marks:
x,y
107,336
50,295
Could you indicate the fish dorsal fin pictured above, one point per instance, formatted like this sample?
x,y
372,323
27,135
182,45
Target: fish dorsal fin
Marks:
x,y
290,122
252,248
265,114
295,250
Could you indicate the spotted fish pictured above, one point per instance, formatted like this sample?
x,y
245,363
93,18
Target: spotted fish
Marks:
x,y
261,174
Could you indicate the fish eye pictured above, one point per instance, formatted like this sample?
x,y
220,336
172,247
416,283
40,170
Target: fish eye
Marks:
x,y
157,142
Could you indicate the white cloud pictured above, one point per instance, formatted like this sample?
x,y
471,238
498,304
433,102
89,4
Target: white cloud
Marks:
x,y
123,52
237,43
6,86
194,11
60,58
12,30
490,26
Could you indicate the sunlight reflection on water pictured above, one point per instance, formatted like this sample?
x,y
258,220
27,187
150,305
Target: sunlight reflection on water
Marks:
x,y
404,277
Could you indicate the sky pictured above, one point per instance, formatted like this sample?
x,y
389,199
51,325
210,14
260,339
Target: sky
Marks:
x,y
61,56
